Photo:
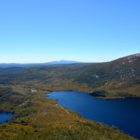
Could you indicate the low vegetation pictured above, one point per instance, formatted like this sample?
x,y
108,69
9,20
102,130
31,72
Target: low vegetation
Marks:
x,y
118,79
40,118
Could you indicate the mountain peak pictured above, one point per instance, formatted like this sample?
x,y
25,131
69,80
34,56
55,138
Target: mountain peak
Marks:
x,y
62,62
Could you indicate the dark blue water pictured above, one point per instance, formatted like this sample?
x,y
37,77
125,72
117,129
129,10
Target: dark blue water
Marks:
x,y
4,117
121,113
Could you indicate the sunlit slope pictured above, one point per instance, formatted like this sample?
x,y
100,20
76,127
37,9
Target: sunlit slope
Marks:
x,y
118,78
39,118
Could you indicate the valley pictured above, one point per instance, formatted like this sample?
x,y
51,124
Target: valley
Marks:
x,y
35,117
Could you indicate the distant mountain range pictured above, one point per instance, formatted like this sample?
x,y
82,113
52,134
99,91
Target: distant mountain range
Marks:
x,y
9,65
62,62
118,78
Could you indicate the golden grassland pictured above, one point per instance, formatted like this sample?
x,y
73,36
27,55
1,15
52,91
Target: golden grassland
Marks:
x,y
40,118
114,90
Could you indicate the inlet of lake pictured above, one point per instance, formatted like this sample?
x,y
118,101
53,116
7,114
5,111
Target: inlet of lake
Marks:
x,y
121,113
5,117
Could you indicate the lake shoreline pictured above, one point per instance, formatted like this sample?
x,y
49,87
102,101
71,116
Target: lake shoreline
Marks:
x,y
97,94
36,116
95,98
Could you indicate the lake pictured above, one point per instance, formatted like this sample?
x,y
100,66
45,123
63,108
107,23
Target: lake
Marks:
x,y
4,117
121,113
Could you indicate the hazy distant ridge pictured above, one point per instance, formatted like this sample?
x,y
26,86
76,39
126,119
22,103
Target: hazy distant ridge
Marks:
x,y
9,65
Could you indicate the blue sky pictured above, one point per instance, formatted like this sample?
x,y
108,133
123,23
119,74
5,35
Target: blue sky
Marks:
x,y
81,30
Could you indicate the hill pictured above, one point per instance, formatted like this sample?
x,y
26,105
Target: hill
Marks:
x,y
115,79
36,117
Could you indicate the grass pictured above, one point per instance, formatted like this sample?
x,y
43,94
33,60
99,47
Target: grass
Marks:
x,y
39,118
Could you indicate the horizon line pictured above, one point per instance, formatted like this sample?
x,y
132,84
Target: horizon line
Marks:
x,y
74,61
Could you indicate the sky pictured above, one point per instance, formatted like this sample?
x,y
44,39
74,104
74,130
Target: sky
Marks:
x,y
80,30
